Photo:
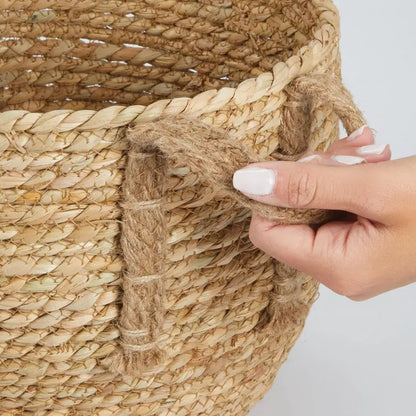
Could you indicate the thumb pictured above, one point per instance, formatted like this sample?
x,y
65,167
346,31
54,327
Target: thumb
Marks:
x,y
359,188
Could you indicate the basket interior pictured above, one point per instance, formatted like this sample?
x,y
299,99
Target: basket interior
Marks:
x,y
81,54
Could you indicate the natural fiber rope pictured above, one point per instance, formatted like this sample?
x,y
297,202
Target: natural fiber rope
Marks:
x,y
214,156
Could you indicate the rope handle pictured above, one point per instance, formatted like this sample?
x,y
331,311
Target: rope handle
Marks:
x,y
215,156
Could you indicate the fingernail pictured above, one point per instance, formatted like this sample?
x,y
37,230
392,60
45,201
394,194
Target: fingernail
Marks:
x,y
309,158
348,160
372,149
356,133
254,180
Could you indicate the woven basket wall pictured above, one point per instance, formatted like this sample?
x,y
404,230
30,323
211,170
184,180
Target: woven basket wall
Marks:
x,y
75,76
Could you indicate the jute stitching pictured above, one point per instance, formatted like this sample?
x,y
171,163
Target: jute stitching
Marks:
x,y
137,280
138,205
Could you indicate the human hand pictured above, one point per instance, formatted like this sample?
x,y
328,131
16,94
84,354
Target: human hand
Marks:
x,y
371,250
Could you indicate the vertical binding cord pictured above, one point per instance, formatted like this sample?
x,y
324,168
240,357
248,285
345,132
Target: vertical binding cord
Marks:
x,y
209,151
142,240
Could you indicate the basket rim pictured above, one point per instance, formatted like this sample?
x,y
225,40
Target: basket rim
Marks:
x,y
249,90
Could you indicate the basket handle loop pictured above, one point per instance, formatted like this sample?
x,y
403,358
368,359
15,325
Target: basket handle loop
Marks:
x,y
215,156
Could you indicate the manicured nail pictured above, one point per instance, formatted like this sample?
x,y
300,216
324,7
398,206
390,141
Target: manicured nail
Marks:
x,y
356,133
348,160
254,180
309,158
372,149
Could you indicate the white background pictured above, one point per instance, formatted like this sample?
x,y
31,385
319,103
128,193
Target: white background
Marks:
x,y
359,359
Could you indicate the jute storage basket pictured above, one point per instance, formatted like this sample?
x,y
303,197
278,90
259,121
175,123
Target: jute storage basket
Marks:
x,y
128,283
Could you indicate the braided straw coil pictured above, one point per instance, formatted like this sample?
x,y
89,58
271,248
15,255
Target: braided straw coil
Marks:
x,y
128,283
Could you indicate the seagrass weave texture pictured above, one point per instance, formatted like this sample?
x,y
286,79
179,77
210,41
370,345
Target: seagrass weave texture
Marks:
x,y
128,283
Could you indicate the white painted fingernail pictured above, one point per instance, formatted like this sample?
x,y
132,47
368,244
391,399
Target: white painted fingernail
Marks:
x,y
348,160
309,158
372,149
356,133
254,180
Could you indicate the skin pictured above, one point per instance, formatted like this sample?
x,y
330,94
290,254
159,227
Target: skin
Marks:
x,y
372,249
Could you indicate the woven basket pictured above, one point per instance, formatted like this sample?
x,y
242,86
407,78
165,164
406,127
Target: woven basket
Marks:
x,y
128,283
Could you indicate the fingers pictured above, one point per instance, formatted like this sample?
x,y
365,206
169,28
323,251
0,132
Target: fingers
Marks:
x,y
349,155
362,137
359,189
371,153
324,180
359,145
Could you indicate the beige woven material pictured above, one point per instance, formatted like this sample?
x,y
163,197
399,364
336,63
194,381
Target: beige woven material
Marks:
x,y
128,283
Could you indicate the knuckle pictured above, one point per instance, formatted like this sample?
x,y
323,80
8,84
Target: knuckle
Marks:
x,y
301,189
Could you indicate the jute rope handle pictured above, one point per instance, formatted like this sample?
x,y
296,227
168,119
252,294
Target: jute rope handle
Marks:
x,y
214,156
